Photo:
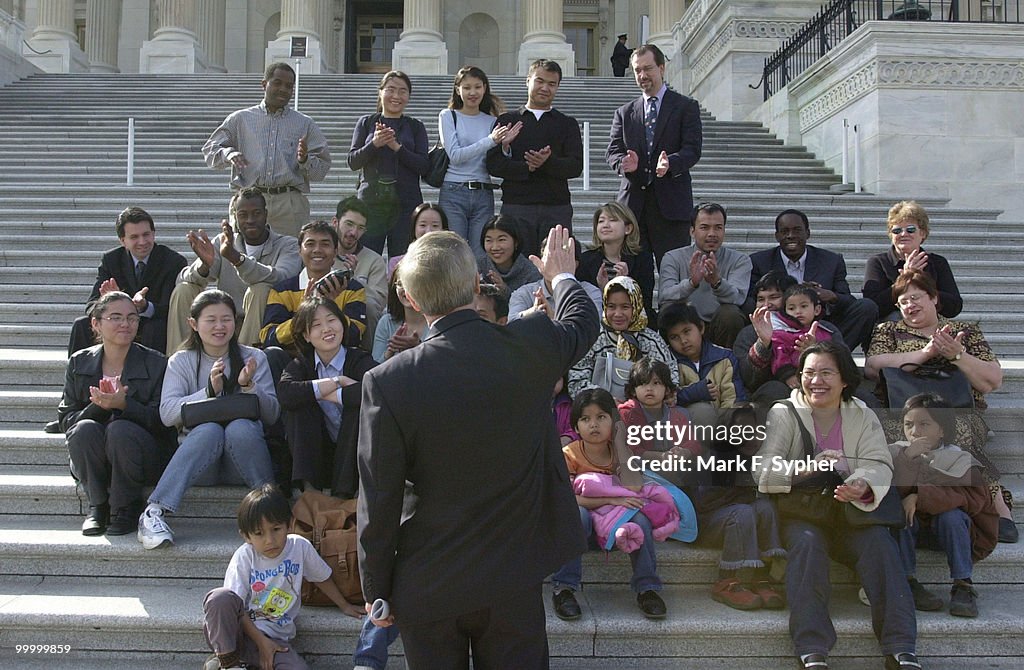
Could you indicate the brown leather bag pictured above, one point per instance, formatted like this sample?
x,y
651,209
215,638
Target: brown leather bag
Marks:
x,y
330,525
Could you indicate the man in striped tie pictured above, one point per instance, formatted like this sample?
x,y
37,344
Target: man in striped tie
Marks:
x,y
273,148
655,140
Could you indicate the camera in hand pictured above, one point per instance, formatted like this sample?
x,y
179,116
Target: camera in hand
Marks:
x,y
341,275
609,269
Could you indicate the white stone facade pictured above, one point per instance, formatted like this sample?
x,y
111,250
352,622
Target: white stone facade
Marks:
x,y
937,105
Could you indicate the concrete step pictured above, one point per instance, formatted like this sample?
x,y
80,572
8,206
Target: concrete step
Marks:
x,y
54,546
105,616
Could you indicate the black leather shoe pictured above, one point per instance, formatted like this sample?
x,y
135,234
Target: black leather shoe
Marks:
x,y
1008,531
52,427
96,522
566,606
125,520
813,662
651,604
904,661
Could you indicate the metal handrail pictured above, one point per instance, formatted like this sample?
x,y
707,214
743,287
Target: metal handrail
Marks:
x,y
835,21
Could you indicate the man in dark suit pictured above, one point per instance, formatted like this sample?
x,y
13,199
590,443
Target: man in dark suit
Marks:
x,y
465,419
826,270
655,140
141,268
620,56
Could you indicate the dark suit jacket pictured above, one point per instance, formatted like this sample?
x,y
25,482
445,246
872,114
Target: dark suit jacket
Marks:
x,y
305,428
678,133
465,417
825,267
162,269
143,373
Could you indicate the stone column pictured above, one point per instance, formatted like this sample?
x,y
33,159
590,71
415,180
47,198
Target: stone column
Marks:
x,y
53,46
102,31
210,33
421,49
325,28
542,20
174,47
664,15
299,18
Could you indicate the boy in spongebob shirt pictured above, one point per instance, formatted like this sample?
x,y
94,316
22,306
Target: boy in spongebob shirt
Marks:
x,y
251,619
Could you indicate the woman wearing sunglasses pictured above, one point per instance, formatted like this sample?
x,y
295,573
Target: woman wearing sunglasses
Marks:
x,y
908,229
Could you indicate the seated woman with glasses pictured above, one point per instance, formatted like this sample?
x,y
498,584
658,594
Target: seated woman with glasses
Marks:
x,y
908,229
854,465
924,337
110,412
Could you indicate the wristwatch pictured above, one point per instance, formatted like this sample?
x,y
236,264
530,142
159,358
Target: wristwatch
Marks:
x,y
714,287
959,355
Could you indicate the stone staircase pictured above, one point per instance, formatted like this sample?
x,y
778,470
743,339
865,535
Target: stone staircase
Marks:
x,y
62,182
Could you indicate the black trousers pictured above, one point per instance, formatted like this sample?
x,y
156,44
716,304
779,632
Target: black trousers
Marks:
x,y
657,233
510,635
114,461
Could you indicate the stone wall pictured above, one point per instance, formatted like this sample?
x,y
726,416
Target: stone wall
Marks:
x,y
938,106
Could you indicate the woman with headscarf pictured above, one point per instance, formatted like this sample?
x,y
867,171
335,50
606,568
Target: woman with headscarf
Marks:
x,y
624,333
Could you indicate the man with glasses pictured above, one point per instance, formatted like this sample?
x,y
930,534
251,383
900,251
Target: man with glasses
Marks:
x,y
655,140
141,268
824,270
367,266
274,149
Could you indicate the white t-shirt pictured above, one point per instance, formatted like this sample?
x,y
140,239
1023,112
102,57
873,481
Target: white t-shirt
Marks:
x,y
271,587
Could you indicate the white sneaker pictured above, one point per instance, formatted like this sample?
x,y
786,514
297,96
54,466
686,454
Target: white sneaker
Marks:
x,y
153,530
213,664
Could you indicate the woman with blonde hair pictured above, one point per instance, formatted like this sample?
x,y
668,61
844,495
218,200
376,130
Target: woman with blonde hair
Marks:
x,y
908,229
617,252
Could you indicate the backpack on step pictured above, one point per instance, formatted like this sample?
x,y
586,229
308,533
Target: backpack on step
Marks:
x,y
330,525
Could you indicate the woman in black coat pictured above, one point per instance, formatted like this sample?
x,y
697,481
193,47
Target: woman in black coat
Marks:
x,y
110,412
320,393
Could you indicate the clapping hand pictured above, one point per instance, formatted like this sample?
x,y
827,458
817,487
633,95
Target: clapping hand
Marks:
x,y
946,344
511,133
139,299
383,135
246,373
541,304
711,268
227,243
217,377
535,159
110,394
761,320
402,339
916,261
662,168
808,338
302,152
109,285
697,269
202,247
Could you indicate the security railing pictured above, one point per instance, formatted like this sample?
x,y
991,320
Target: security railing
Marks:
x,y
836,20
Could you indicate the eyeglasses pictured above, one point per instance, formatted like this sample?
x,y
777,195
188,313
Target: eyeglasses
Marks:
x,y
827,375
119,319
898,230
393,90
911,299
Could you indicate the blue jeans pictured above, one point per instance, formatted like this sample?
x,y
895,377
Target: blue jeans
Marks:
x,y
873,553
951,530
645,563
212,454
467,211
747,533
372,647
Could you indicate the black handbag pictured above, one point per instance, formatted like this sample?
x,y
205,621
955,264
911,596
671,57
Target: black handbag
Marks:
x,y
222,409
910,379
439,159
816,504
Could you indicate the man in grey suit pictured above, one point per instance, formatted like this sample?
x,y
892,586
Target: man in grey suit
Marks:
x,y
465,419
654,142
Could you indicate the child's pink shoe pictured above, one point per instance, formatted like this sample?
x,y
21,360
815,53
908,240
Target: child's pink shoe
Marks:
x,y
629,537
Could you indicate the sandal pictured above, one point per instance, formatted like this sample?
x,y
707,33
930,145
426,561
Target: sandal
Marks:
x,y
813,662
